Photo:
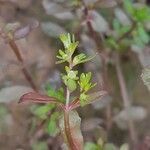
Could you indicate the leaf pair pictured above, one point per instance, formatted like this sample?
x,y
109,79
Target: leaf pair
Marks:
x,y
70,46
43,99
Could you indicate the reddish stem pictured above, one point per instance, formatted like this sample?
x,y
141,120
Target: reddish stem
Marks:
x,y
96,38
28,77
68,133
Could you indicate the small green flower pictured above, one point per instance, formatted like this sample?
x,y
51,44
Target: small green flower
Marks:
x,y
71,74
70,79
71,84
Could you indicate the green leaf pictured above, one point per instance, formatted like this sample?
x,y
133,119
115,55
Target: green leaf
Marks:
x,y
69,41
109,146
124,147
124,30
70,79
66,39
111,42
143,34
42,111
71,84
116,24
70,45
52,124
138,42
85,82
62,54
81,58
39,146
128,6
71,48
58,94
90,146
142,13
72,74
86,99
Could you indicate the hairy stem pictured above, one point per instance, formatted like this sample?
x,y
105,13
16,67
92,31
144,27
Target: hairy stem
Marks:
x,y
67,97
28,77
126,100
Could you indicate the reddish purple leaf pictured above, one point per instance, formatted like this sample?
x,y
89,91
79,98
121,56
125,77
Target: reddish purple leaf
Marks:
x,y
24,31
38,98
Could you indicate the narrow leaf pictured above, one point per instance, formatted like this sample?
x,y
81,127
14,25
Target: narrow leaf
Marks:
x,y
37,98
94,97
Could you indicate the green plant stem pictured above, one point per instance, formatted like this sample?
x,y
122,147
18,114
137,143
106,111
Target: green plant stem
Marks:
x,y
28,77
67,90
67,97
70,141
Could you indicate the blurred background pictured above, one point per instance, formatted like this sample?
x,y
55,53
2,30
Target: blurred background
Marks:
x,y
116,31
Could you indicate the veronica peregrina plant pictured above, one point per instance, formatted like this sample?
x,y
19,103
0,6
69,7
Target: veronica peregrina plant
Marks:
x,y
69,122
